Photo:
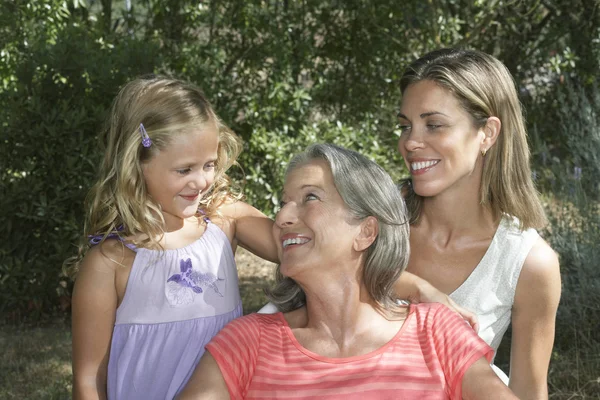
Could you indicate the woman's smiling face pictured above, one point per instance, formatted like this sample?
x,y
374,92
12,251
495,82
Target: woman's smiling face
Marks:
x,y
314,227
440,143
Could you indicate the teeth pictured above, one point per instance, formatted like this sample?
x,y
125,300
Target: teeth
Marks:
x,y
422,164
287,242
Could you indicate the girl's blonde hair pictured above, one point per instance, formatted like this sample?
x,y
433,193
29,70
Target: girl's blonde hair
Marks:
x,y
485,88
119,203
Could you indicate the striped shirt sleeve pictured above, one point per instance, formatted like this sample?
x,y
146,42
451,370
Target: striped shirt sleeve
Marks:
x,y
235,349
458,346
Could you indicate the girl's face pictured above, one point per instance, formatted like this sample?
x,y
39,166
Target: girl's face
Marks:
x,y
179,175
314,228
439,142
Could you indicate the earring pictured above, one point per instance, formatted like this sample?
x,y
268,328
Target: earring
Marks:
x,y
483,152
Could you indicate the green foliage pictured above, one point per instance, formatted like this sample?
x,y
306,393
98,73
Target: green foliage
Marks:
x,y
51,114
285,74
566,146
269,152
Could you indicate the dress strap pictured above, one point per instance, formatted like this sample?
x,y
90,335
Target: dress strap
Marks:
x,y
96,239
204,217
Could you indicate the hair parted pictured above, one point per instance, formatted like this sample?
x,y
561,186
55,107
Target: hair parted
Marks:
x,y
166,107
367,190
485,88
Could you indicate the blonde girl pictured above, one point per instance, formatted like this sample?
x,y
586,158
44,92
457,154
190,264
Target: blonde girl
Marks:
x,y
156,276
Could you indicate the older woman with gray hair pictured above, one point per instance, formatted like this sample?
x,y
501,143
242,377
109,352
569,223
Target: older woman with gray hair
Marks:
x,y
343,240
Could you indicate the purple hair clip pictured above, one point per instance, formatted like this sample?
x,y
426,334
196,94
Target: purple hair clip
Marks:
x,y
146,141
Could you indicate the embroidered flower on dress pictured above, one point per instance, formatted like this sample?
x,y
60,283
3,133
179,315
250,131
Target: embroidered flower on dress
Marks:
x,y
182,286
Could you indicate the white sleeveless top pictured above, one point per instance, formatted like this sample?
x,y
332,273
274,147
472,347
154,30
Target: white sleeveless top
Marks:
x,y
489,291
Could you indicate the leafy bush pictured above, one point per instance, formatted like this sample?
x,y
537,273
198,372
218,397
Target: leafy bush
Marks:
x,y
51,116
565,126
268,153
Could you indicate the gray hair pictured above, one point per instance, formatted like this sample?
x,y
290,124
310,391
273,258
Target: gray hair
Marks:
x,y
368,191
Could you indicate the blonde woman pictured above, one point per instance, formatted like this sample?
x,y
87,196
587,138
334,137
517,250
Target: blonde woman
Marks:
x,y
473,206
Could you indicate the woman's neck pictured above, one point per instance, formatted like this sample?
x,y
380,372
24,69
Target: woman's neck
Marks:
x,y
450,216
338,309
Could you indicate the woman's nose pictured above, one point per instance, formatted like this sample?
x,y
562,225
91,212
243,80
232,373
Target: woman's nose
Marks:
x,y
411,141
287,215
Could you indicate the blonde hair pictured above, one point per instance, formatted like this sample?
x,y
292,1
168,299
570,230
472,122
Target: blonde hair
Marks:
x,y
119,203
485,88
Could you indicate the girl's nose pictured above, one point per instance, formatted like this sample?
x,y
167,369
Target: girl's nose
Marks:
x,y
199,181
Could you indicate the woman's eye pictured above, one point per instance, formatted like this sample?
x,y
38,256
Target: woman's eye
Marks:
x,y
403,128
433,126
311,196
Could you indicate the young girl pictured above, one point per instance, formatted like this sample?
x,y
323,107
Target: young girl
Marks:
x,y
156,278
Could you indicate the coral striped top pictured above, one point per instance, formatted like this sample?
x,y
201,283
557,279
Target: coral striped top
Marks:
x,y
260,358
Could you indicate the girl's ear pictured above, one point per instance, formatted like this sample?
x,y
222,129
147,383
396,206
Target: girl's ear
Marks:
x,y
491,131
368,233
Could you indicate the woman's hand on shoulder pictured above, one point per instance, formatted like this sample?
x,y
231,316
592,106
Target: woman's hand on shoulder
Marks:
x,y
252,229
94,304
418,290
533,321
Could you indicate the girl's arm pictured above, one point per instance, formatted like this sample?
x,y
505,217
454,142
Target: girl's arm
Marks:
x,y
206,383
533,319
417,290
253,229
94,305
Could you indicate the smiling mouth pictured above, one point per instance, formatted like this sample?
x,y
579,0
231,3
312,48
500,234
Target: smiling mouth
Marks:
x,y
295,241
422,165
192,197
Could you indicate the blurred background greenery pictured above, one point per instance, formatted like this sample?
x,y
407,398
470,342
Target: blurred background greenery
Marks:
x,y
282,74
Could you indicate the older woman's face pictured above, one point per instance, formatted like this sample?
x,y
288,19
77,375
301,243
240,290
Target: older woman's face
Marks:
x,y
314,227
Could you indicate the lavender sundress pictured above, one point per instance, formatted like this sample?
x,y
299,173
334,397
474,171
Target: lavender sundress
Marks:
x,y
174,303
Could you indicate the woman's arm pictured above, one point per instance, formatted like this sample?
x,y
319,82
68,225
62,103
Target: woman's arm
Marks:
x,y
207,382
417,290
480,382
94,305
533,319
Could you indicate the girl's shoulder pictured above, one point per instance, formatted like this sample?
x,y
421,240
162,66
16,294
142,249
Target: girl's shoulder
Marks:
x,y
109,255
105,269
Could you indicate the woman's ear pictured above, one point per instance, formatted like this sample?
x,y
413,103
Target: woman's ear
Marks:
x,y
369,230
491,131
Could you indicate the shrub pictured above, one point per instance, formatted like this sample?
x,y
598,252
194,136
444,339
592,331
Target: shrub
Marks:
x,y
51,117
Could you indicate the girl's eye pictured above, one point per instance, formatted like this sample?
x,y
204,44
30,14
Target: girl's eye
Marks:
x,y
184,171
210,165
